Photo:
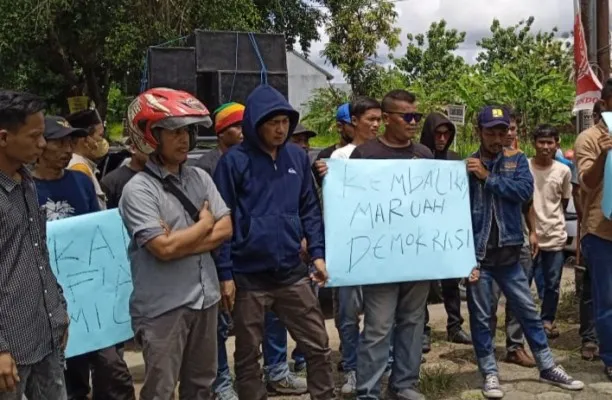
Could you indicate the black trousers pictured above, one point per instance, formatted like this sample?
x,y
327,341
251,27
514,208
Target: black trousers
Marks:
x,y
587,323
110,376
452,304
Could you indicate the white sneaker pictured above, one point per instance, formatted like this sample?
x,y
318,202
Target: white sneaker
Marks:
x,y
350,383
491,388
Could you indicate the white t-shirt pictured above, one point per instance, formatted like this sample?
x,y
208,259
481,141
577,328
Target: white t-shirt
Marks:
x,y
551,186
344,152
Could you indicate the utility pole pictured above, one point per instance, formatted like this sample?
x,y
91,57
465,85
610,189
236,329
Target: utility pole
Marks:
x,y
603,39
587,14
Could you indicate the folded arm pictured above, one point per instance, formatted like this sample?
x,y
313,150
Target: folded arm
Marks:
x,y
168,246
139,210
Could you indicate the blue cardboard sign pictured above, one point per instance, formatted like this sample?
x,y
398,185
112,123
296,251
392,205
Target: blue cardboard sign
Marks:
x,y
88,256
606,201
396,221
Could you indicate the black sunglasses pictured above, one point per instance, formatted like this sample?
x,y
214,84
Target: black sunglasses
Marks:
x,y
408,117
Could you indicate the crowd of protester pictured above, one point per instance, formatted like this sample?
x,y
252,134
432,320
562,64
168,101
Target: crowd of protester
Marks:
x,y
235,242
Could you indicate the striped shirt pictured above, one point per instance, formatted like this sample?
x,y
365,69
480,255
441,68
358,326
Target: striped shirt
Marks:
x,y
33,316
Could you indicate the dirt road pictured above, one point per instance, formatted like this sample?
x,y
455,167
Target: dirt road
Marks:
x,y
450,371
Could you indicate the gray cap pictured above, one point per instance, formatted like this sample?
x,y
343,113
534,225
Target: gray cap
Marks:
x,y
301,129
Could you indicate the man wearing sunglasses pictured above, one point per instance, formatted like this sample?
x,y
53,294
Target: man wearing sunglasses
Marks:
x,y
396,308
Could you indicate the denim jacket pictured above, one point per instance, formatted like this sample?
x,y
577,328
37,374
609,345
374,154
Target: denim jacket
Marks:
x,y
507,187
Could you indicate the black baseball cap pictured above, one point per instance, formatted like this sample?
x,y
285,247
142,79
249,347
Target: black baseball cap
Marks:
x,y
58,128
302,130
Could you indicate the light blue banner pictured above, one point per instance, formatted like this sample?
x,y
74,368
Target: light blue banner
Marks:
x,y
396,221
88,256
606,201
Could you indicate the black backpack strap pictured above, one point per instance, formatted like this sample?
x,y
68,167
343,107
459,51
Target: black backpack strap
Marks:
x,y
170,187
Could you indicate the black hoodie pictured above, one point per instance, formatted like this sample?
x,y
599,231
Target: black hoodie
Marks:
x,y
428,137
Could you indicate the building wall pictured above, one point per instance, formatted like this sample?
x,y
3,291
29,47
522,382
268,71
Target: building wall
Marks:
x,y
304,79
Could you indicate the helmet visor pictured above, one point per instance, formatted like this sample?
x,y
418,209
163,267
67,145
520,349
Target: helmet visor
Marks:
x,y
174,123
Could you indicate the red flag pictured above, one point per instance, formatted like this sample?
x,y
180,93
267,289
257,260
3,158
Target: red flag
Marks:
x,y
588,87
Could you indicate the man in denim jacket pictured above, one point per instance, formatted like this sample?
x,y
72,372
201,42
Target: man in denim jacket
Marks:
x,y
500,182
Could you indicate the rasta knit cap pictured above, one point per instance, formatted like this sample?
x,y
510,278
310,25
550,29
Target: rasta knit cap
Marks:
x,y
228,114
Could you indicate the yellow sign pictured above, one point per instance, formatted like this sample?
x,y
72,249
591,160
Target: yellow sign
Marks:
x,y
78,103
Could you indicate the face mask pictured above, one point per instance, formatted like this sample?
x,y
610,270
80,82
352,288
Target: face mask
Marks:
x,y
99,149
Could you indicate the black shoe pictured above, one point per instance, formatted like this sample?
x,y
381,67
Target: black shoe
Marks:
x,y
459,337
608,372
426,344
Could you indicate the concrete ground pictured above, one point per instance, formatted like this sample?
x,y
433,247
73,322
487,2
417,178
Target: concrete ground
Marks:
x,y
450,372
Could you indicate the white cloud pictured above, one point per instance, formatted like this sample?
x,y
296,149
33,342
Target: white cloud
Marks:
x,y
471,16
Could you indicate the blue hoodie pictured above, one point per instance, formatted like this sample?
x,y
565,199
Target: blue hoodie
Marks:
x,y
273,202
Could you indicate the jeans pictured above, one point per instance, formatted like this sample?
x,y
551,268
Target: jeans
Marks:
x,y
514,334
598,255
275,349
350,304
41,381
587,323
452,305
550,263
384,305
515,286
538,275
299,310
224,378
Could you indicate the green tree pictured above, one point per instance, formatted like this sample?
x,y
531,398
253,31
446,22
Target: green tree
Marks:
x,y
59,48
355,29
430,56
516,46
297,19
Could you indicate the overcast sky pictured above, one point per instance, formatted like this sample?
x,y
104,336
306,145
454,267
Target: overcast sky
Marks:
x,y
472,16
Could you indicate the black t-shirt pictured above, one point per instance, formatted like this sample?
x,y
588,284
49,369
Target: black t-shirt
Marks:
x,y
326,152
113,183
323,154
375,149
496,256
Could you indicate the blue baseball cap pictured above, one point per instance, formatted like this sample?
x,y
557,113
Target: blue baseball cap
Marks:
x,y
491,116
344,115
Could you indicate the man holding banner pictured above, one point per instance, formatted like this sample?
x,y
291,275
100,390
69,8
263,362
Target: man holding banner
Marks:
x,y
500,182
365,114
34,319
64,193
398,307
175,218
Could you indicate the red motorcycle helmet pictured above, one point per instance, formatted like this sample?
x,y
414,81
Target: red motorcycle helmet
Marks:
x,y
166,109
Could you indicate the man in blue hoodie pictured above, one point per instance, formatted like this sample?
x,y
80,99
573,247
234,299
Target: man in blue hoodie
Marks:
x,y
267,184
